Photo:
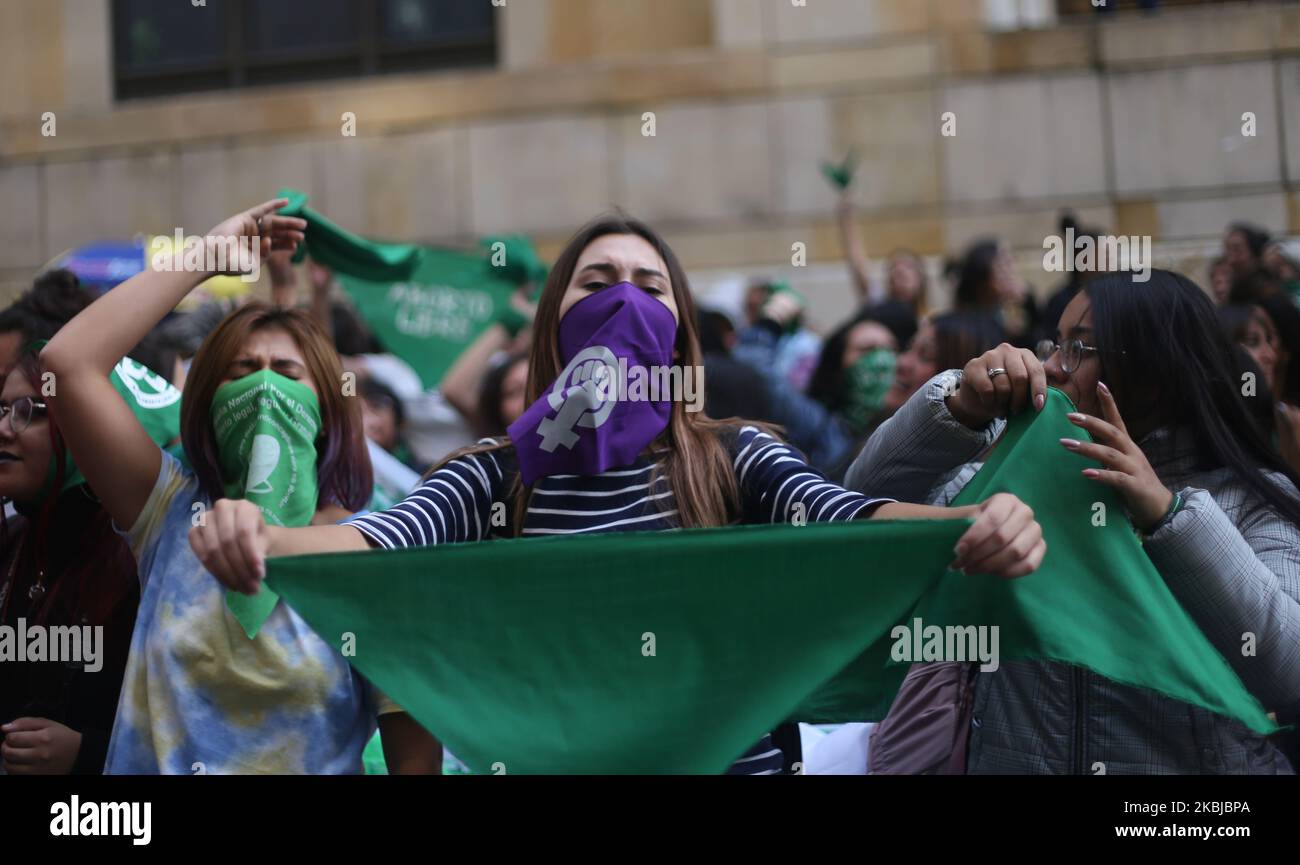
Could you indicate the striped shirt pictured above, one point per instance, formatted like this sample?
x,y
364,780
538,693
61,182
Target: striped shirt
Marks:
x,y
470,499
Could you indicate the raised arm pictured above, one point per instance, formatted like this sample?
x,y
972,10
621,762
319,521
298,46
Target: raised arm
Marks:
x,y
460,385
111,449
854,252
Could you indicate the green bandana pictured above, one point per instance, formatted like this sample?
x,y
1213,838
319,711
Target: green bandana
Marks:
x,y
841,175
609,653
426,305
345,252
865,386
266,427
153,400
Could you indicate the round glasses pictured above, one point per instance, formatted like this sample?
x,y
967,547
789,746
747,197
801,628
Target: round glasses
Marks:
x,y
1072,352
20,412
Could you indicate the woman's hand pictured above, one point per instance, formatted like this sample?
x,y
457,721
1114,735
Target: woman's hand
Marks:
x,y
982,398
1124,466
1005,540
272,232
783,307
232,541
39,746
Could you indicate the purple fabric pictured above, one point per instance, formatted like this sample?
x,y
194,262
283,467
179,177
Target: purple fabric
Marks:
x,y
580,425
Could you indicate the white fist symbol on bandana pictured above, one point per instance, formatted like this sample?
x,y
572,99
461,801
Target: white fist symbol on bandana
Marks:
x,y
583,395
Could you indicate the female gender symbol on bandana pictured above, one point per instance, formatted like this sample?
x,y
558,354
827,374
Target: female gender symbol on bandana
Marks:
x,y
585,422
584,395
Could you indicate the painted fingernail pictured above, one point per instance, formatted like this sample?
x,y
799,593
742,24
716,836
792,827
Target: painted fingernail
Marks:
x,y
1091,473
1101,386
1040,401
1070,444
1076,417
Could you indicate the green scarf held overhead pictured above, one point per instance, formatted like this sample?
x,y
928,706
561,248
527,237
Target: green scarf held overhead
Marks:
x,y
265,427
345,252
425,304
651,652
430,318
841,175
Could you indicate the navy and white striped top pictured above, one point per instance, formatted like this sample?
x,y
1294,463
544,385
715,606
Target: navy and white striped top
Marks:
x,y
455,504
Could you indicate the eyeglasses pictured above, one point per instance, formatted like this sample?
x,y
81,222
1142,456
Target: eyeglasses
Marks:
x,y
20,412
1072,353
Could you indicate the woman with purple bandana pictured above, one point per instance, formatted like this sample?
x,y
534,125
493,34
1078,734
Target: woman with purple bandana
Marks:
x,y
604,447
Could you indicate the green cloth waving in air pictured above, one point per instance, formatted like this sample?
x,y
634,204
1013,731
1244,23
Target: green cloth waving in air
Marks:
x,y
675,652
425,304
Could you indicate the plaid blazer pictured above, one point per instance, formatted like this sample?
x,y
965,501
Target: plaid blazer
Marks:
x,y
1234,566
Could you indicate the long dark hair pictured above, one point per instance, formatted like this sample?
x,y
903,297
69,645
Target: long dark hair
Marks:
x,y
827,382
964,334
697,464
975,279
490,420
1164,356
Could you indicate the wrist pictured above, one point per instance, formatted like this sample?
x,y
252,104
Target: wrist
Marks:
x,y
1171,506
962,416
274,540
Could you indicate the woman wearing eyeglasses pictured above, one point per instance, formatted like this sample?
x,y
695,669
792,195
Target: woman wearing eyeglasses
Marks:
x,y
1217,508
61,565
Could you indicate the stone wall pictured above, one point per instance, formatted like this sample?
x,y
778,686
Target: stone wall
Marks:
x,y
1135,122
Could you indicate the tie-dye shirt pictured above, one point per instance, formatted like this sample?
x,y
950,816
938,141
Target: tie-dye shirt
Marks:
x,y
199,697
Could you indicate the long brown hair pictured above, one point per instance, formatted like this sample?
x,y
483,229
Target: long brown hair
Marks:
x,y
343,473
697,463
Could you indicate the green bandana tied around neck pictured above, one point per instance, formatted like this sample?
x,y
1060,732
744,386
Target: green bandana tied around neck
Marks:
x,y
266,427
674,652
865,386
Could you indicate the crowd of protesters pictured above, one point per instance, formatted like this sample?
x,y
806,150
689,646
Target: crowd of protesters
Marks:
x,y
1191,397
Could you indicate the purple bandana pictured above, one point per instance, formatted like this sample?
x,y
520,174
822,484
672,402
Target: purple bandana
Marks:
x,y
588,421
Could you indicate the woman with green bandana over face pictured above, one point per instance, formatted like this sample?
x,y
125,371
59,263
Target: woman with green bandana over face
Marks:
x,y
220,683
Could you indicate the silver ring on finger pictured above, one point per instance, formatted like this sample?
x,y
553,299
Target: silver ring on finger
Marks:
x,y
995,372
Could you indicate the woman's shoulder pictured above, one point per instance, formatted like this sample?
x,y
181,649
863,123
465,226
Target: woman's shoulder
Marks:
x,y
492,457
738,435
1238,500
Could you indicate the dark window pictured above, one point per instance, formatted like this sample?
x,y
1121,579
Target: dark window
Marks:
x,y
173,46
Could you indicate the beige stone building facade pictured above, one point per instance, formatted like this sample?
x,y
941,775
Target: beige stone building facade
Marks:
x,y
1140,123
